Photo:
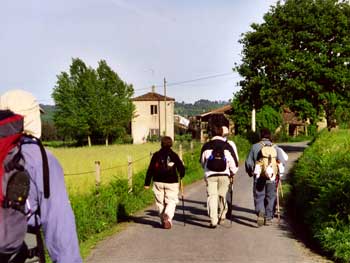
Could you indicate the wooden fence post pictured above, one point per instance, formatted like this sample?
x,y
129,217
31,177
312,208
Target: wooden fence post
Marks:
x,y
180,151
98,174
129,174
191,145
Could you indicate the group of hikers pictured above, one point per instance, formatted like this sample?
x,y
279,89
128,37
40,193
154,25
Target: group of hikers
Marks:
x,y
219,158
33,195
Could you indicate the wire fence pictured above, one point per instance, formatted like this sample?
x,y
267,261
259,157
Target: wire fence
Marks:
x,y
129,165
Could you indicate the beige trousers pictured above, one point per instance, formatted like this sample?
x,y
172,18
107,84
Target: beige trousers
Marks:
x,y
217,188
166,198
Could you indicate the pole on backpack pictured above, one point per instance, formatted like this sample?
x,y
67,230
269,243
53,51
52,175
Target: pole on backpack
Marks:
x,y
183,201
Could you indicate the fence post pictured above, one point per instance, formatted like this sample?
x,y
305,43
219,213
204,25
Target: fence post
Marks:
x,y
98,174
129,174
180,151
191,145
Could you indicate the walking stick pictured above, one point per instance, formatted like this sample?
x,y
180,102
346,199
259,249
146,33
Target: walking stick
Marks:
x,y
231,205
183,201
278,202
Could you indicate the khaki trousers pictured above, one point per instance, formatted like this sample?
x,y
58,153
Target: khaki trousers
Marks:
x,y
217,188
166,196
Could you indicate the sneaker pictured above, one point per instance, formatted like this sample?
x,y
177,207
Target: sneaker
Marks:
x,y
165,221
268,222
212,225
261,219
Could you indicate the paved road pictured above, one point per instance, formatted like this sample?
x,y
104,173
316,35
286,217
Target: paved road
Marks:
x,y
144,241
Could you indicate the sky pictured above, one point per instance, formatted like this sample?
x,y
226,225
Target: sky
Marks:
x,y
192,44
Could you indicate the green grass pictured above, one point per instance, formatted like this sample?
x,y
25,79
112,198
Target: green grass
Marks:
x,y
79,163
321,192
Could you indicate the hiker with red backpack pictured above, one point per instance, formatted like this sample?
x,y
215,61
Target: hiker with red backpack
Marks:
x,y
33,195
262,163
220,163
164,170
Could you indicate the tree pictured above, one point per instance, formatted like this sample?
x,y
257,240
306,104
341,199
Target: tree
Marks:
x,y
298,57
92,103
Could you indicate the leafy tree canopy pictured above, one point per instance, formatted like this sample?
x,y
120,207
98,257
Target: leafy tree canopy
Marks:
x,y
298,57
92,102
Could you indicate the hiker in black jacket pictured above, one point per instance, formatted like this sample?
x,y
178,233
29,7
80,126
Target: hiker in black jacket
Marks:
x,y
163,169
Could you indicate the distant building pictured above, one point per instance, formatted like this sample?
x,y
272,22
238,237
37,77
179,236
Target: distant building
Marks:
x,y
200,123
153,116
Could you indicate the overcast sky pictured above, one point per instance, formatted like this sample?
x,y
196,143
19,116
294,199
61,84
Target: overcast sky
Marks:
x,y
143,41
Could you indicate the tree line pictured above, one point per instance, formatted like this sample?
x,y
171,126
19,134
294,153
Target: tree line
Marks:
x,y
298,58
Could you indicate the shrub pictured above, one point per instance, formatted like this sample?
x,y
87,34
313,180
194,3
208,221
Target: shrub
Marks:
x,y
321,192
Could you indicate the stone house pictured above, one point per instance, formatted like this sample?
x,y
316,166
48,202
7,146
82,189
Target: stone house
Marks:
x,y
153,117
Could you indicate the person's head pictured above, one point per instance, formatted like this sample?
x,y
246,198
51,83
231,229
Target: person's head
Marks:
x,y
265,134
166,142
25,104
216,130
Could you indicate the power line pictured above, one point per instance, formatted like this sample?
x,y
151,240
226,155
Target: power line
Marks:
x,y
198,79
190,80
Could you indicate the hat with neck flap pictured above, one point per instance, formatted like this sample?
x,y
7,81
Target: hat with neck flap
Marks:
x,y
25,104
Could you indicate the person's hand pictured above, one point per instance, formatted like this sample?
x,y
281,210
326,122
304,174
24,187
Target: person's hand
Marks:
x,y
146,187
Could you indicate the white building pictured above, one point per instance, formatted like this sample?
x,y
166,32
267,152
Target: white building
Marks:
x,y
153,116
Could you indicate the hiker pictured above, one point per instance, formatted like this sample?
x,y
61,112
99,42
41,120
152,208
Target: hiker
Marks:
x,y
163,169
46,206
264,187
220,162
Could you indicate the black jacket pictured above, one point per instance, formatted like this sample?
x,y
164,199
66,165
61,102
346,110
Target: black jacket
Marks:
x,y
160,175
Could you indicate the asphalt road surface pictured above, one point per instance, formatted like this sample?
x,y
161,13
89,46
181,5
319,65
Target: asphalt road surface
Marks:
x,y
144,240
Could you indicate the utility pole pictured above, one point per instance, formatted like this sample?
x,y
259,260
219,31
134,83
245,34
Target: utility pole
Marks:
x,y
253,119
165,124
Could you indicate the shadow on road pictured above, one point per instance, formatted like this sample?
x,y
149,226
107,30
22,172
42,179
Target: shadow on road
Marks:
x,y
293,148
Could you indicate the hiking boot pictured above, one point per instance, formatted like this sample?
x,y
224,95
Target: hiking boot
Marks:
x,y
165,221
261,219
268,222
212,225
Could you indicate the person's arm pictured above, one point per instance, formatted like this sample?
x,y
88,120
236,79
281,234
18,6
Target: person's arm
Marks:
x,y
56,214
233,167
250,162
150,172
179,165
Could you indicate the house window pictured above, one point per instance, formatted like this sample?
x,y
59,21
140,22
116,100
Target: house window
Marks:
x,y
153,132
154,109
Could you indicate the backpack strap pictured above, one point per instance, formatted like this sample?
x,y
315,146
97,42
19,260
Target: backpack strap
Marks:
x,y
46,175
232,153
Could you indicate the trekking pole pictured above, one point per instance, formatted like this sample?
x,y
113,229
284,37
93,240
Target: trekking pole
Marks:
x,y
278,203
231,205
183,201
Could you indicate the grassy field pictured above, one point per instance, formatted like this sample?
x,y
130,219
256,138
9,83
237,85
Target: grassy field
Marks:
x,y
79,163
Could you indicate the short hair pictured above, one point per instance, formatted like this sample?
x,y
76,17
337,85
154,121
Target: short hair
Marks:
x,y
166,142
265,133
217,130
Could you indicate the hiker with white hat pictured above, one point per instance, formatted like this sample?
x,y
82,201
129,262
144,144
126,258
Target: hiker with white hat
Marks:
x,y
36,177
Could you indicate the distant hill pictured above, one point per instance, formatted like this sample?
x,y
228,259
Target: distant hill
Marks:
x,y
198,107
181,108
48,115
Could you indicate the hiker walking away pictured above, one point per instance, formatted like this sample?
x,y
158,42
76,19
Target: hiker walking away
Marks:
x,y
33,192
163,169
219,161
262,164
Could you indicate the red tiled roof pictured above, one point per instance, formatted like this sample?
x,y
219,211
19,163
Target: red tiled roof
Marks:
x,y
221,110
152,96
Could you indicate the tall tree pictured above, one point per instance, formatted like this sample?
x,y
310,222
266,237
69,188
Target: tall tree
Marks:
x,y
298,57
92,103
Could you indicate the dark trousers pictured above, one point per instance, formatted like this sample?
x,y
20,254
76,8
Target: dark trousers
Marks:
x,y
264,196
